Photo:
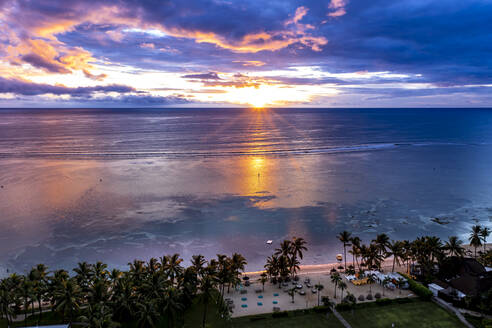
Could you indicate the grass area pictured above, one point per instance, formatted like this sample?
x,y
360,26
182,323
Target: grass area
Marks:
x,y
311,320
475,321
416,313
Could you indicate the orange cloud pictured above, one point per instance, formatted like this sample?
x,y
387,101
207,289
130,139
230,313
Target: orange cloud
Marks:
x,y
256,63
337,7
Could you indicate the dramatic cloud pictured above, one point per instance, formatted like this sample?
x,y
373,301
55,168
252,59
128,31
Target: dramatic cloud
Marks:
x,y
204,76
316,49
27,88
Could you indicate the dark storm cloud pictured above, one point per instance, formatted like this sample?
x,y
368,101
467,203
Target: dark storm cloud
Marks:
x,y
203,76
26,88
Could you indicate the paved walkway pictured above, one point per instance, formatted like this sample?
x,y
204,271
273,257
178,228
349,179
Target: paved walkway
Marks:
x,y
451,308
341,319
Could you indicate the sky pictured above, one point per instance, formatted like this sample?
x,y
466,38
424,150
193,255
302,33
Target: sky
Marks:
x,y
227,53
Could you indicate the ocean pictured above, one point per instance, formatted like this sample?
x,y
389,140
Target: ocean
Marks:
x,y
113,185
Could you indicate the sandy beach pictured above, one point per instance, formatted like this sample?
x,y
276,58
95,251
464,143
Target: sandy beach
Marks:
x,y
317,274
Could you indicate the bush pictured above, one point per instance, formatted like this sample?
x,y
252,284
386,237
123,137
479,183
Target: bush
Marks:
x,y
383,301
343,307
350,298
369,297
325,300
377,296
298,312
419,289
281,314
321,309
257,318
361,298
402,300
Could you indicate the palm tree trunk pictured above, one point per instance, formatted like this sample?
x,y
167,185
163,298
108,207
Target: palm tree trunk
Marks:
x,y
40,310
393,268
345,256
204,315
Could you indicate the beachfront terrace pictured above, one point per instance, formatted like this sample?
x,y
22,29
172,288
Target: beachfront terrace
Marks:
x,y
254,299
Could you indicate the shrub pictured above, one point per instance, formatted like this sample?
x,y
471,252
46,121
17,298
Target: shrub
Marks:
x,y
419,289
281,314
298,312
369,297
383,301
257,318
321,309
325,300
343,307
403,300
350,298
377,296
361,298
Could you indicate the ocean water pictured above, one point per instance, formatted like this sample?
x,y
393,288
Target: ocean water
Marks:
x,y
114,185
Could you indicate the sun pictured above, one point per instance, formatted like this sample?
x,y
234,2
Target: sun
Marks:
x,y
265,96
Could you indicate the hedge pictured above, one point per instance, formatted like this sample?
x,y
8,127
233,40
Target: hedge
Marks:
x,y
343,306
419,289
383,301
282,314
321,309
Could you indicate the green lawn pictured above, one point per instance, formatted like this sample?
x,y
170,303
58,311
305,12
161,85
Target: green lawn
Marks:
x,y
311,320
417,313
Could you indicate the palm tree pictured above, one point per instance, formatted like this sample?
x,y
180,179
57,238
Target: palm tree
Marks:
x,y
198,262
319,287
173,267
453,247
284,249
484,233
396,249
207,287
98,316
370,281
475,238
386,281
342,285
336,279
147,314
263,280
237,263
27,294
382,242
400,282
298,245
153,265
292,293
39,279
67,298
272,267
355,251
344,238
172,305
100,270
84,274
123,300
